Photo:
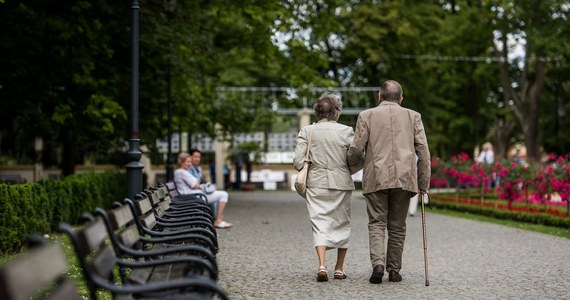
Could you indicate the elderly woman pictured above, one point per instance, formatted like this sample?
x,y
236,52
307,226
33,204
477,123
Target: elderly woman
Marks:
x,y
329,181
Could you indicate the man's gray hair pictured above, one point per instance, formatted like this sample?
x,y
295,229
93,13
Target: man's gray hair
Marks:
x,y
391,90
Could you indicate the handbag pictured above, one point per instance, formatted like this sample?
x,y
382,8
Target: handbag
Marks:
x,y
207,188
301,181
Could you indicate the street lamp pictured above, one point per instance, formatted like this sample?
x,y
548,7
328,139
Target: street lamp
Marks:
x,y
38,147
134,167
169,160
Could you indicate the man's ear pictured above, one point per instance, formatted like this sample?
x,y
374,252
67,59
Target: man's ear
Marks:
x,y
401,100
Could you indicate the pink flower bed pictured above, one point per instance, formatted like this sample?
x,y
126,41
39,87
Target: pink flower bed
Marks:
x,y
536,183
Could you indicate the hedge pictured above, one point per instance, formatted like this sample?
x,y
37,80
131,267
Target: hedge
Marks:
x,y
39,207
533,218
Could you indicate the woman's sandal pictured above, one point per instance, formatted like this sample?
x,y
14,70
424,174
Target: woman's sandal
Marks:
x,y
223,225
322,275
339,274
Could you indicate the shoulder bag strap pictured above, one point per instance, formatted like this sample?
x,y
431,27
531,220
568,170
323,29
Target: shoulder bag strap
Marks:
x,y
308,145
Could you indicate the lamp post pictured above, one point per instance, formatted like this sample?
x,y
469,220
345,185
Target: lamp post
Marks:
x,y
169,161
38,147
134,167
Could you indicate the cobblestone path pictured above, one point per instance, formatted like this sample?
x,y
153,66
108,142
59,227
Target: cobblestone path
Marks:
x,y
268,255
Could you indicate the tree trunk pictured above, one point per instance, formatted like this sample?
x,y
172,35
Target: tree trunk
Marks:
x,y
68,153
531,137
533,112
525,104
503,131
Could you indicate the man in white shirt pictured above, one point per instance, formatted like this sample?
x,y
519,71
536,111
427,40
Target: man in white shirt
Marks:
x,y
486,156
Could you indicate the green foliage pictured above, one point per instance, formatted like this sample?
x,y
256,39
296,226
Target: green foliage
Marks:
x,y
64,81
38,207
533,218
68,77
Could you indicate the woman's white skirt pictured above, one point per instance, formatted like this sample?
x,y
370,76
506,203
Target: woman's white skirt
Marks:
x,y
329,211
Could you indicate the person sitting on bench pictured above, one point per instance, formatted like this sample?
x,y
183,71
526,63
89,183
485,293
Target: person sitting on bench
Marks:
x,y
186,183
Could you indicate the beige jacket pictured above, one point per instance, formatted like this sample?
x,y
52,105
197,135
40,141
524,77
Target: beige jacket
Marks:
x,y
387,140
329,145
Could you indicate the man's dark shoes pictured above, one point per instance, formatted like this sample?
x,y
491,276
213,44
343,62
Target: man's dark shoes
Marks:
x,y
377,274
394,276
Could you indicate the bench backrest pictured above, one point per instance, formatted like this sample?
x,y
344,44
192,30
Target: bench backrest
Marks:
x,y
145,213
123,225
96,257
146,222
161,204
172,189
41,268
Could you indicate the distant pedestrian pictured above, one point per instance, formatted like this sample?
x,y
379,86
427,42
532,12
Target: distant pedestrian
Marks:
x,y
387,139
212,167
487,156
226,172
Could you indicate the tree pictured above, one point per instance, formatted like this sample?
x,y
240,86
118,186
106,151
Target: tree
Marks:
x,y
538,27
57,83
417,44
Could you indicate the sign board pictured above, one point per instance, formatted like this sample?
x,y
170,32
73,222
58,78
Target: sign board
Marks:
x,y
264,176
278,157
270,186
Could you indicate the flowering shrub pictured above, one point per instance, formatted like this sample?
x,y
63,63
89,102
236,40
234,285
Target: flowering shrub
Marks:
x,y
461,171
519,181
515,178
561,180
542,183
438,177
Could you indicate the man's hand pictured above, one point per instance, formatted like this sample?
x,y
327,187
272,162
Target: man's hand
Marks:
x,y
425,197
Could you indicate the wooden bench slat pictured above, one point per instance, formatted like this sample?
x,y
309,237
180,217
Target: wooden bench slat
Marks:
x,y
119,217
93,236
41,267
104,262
130,236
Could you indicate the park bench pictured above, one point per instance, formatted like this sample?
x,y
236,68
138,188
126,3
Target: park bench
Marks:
x,y
165,278
171,186
38,274
188,200
178,199
128,242
198,232
166,213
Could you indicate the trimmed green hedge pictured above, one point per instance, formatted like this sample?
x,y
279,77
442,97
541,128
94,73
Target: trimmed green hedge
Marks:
x,y
533,218
39,207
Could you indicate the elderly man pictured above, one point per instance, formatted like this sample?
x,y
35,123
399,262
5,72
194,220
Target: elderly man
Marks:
x,y
387,140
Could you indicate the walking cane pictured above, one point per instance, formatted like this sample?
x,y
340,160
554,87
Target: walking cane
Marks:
x,y
425,235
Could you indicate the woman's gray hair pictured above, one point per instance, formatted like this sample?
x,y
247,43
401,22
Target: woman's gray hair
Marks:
x,y
328,106
182,158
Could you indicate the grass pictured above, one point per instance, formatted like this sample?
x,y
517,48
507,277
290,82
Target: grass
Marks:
x,y
556,231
